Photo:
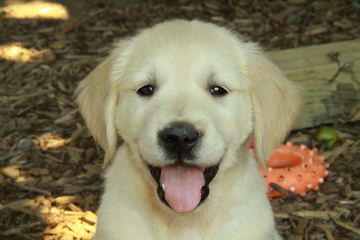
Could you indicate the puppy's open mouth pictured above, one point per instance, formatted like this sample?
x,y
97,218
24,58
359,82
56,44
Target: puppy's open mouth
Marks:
x,y
183,187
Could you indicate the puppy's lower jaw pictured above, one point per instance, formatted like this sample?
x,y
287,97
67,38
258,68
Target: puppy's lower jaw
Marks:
x,y
183,187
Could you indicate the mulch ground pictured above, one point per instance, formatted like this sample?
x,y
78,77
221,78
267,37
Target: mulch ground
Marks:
x,y
50,167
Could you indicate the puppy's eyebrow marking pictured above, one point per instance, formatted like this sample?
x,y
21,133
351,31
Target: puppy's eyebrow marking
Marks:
x,y
151,76
213,80
149,79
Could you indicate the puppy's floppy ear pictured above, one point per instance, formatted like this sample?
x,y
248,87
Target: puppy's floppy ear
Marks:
x,y
97,96
275,100
96,103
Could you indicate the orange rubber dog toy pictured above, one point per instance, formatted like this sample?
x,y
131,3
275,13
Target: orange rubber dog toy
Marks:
x,y
294,168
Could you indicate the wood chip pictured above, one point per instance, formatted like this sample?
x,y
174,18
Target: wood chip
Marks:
x,y
12,172
315,214
347,226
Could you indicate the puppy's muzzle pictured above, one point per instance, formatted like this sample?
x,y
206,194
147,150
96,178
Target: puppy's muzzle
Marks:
x,y
181,184
179,139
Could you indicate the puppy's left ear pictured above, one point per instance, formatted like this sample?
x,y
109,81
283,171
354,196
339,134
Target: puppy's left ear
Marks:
x,y
275,100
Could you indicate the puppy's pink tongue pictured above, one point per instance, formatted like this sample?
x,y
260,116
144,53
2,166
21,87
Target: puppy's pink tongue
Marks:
x,y
182,186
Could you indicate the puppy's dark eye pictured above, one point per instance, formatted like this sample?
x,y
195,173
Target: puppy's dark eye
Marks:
x,y
146,91
218,91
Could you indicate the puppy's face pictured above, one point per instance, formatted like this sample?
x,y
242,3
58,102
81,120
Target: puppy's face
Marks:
x,y
178,112
184,97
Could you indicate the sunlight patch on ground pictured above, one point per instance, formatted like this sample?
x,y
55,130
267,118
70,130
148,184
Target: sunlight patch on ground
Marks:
x,y
62,216
70,225
16,52
35,9
51,141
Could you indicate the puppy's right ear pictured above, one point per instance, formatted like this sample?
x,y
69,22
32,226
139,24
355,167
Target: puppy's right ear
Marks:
x,y
97,95
96,105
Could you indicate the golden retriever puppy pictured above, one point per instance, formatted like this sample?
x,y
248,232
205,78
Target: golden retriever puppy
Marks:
x,y
183,98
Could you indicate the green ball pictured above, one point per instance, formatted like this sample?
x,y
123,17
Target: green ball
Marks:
x,y
327,137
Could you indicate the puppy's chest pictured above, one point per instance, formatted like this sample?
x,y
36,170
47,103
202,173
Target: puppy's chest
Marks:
x,y
183,234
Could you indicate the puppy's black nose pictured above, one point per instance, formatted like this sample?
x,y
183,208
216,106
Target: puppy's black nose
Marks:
x,y
179,138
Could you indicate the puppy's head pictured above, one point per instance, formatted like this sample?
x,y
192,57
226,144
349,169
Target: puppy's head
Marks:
x,y
184,96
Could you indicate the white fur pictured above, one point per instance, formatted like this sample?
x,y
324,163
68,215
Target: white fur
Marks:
x,y
182,59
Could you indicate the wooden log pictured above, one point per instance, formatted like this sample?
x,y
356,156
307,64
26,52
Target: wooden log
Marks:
x,y
329,75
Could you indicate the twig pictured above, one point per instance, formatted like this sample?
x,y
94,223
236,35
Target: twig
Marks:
x,y
37,94
346,226
334,57
21,209
316,214
278,188
32,189
327,230
20,228
329,235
